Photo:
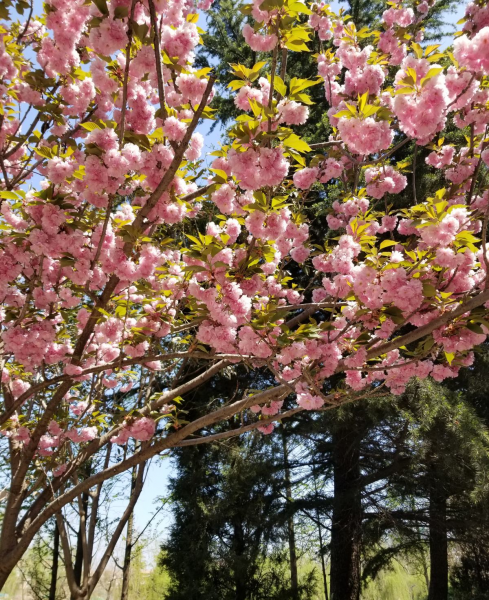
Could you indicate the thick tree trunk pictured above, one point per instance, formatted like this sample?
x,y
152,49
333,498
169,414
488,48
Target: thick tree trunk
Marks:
x,y
5,574
54,569
347,514
438,546
294,580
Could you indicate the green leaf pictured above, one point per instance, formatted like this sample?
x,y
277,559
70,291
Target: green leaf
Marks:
x,y
417,50
193,239
95,21
236,84
343,113
221,176
404,90
449,356
484,322
90,126
279,202
466,236
297,45
260,198
121,12
9,195
299,7
79,173
429,290
280,85
270,5
431,73
44,152
102,6
294,141
304,98
370,110
475,327
194,268
297,85
395,314
438,56
140,31
246,9
255,71
67,261
428,344
430,49
255,107
362,101
412,74
387,243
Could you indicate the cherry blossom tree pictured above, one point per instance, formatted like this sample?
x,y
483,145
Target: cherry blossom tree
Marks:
x,y
119,259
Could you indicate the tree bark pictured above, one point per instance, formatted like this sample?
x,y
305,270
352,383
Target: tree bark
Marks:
x,y
323,564
78,564
347,513
54,569
321,545
294,580
438,546
126,567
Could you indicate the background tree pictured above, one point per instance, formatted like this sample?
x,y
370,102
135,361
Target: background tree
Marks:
x,y
227,499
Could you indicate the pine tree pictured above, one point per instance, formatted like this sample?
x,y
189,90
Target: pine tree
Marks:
x,y
227,503
230,504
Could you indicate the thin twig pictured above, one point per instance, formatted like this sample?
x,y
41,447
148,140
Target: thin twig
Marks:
x,y
126,74
26,27
283,68
386,155
272,83
200,192
414,173
325,144
477,169
175,164
103,234
159,66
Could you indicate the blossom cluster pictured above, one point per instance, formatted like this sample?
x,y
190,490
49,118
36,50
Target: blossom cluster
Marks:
x,y
122,252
